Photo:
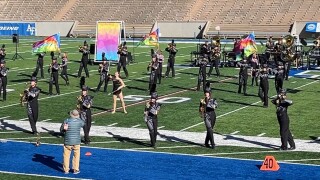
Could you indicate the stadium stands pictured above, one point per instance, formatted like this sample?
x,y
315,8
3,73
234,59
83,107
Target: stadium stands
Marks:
x,y
262,16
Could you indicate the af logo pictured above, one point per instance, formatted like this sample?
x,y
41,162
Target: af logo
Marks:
x,y
31,29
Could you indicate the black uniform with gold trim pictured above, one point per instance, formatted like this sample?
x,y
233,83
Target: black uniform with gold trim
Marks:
x,y
154,65
214,58
202,72
123,53
172,50
279,76
54,77
207,109
64,72
32,95
151,118
243,76
264,85
84,105
39,66
103,70
3,79
282,105
84,60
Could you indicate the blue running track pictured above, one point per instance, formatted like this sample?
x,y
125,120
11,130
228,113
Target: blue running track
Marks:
x,y
46,160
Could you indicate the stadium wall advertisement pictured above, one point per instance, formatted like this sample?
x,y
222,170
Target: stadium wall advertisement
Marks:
x,y
37,28
22,29
306,29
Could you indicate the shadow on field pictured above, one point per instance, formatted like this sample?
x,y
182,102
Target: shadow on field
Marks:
x,y
293,91
53,133
189,73
241,103
140,80
48,161
126,139
175,139
315,139
230,137
182,88
6,125
100,108
224,90
136,88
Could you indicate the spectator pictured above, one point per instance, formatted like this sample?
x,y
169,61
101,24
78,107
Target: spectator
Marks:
x,y
71,128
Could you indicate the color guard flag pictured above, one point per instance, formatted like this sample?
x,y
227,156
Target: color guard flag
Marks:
x,y
49,44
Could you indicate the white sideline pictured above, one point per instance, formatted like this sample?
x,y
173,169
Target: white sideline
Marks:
x,y
40,175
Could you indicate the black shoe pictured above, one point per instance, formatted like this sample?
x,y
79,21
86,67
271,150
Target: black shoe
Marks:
x,y
265,106
50,94
245,94
292,148
207,145
283,149
58,93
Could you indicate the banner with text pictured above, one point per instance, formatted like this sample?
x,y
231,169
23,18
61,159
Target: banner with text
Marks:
x,y
22,29
108,38
312,27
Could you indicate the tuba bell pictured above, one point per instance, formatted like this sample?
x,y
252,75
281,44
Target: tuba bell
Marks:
x,y
288,43
215,41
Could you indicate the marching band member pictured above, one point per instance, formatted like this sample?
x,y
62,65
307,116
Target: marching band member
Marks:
x,y
160,58
264,85
31,96
54,78
123,53
84,107
279,76
151,117
202,72
84,59
254,69
282,104
153,74
64,66
3,79
103,70
172,54
39,65
207,110
243,76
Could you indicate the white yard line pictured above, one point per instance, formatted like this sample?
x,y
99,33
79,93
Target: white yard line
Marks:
x,y
46,120
5,117
22,119
167,147
113,124
32,138
236,132
259,135
297,160
9,132
250,152
161,127
135,126
244,107
105,142
39,175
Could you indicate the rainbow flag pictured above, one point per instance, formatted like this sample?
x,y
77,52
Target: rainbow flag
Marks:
x,y
248,44
151,39
51,43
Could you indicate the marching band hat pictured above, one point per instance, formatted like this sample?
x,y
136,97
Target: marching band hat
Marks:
x,y
154,95
34,79
283,91
84,88
207,90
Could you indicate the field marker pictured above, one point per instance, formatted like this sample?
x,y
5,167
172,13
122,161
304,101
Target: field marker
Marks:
x,y
23,119
177,77
161,127
236,132
5,117
112,124
293,82
259,135
244,107
134,72
193,78
14,68
135,126
46,120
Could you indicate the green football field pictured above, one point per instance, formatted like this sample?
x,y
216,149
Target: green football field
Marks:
x,y
237,114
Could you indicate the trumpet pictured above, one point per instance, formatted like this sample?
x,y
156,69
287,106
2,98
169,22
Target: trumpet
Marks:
x,y
80,100
24,95
202,107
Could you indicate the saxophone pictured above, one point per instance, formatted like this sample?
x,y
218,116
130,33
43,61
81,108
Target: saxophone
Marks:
x,y
202,107
80,101
24,95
